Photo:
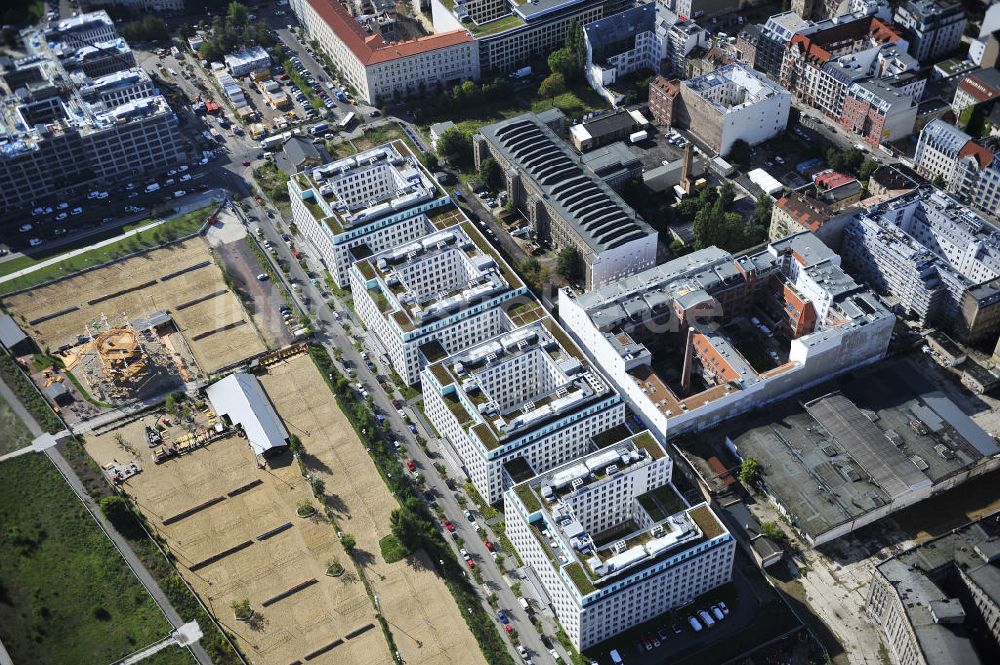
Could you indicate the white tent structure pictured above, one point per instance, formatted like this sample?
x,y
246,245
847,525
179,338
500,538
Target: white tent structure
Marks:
x,y
240,397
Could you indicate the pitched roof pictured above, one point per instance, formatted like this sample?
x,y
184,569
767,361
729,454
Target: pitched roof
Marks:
x,y
982,155
241,397
373,49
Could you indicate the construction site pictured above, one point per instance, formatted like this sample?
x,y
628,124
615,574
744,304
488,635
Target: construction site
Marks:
x,y
137,329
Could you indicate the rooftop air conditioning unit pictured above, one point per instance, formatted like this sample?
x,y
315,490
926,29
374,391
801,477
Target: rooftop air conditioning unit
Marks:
x,y
619,547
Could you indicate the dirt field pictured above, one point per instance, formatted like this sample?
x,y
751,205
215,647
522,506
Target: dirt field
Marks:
x,y
421,612
290,628
212,351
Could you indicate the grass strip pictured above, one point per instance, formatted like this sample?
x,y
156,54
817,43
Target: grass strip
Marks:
x,y
25,390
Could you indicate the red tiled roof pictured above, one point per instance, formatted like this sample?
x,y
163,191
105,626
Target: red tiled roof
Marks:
x,y
981,154
832,179
813,46
808,212
373,49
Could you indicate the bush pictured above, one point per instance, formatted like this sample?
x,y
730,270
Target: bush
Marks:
x,y
392,550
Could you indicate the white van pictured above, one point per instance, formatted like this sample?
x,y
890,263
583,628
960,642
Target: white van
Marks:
x,y
706,618
615,657
152,187
694,624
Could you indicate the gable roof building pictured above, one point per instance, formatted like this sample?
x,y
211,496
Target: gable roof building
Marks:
x,y
240,398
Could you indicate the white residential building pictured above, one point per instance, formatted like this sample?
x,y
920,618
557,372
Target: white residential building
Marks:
x,y
380,70
527,398
730,104
934,27
932,255
430,298
354,207
612,541
704,311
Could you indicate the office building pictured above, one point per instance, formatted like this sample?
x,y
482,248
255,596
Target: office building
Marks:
x,y
733,103
510,34
380,70
858,448
613,543
708,336
928,252
933,28
432,297
358,206
518,403
63,123
938,603
566,203
963,167
620,45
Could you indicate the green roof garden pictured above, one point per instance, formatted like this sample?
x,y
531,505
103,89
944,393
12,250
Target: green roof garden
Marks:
x,y
499,25
528,498
645,441
706,521
580,579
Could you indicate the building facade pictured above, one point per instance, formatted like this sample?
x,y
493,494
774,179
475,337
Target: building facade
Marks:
x,y
564,201
929,252
733,103
878,112
526,398
63,124
934,28
380,70
559,523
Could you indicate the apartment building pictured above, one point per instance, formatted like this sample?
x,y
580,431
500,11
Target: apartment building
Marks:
x,y
938,603
564,201
61,127
380,70
821,66
979,87
929,253
663,95
356,207
510,34
518,403
733,103
708,336
963,167
427,299
879,112
622,44
701,9
933,28
613,542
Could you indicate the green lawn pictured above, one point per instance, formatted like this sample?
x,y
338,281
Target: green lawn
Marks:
x,y
67,596
13,433
170,230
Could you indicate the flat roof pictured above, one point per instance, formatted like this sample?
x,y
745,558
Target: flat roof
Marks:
x,y
241,397
595,211
857,442
10,333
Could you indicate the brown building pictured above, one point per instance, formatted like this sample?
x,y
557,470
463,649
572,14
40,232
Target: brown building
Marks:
x,y
797,212
663,100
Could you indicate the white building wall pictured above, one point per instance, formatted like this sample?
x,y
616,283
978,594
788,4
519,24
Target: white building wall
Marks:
x,y
755,123
632,257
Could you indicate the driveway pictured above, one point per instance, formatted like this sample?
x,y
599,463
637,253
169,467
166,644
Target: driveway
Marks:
x,y
263,297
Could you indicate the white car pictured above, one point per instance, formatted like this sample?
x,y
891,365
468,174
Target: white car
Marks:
x,y
25,228
130,186
34,242
172,172
37,211
168,182
185,177
76,211
61,216
182,169
59,232
179,193
62,206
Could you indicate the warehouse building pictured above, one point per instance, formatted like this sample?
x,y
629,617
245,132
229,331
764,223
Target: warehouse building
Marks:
x,y
564,201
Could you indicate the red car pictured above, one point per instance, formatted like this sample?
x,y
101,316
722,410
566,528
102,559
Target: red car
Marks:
x,y
397,403
471,563
488,544
410,465
509,628
448,525
246,162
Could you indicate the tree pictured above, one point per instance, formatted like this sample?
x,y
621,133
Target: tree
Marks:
x,y
348,541
432,161
295,445
678,248
866,170
318,487
491,174
409,528
938,181
563,61
739,153
242,609
749,473
237,15
770,529
456,147
553,86
575,45
569,264
762,209
116,509
170,405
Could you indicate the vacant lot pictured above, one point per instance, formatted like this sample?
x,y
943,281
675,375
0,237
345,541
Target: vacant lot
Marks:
x,y
422,614
13,433
208,314
275,560
67,595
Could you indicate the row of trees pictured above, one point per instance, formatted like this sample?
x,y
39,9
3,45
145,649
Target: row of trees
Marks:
x,y
233,31
147,29
566,64
714,224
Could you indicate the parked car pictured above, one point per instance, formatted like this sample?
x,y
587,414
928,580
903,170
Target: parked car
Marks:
x,y
34,242
25,228
469,516
448,525
76,211
410,465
